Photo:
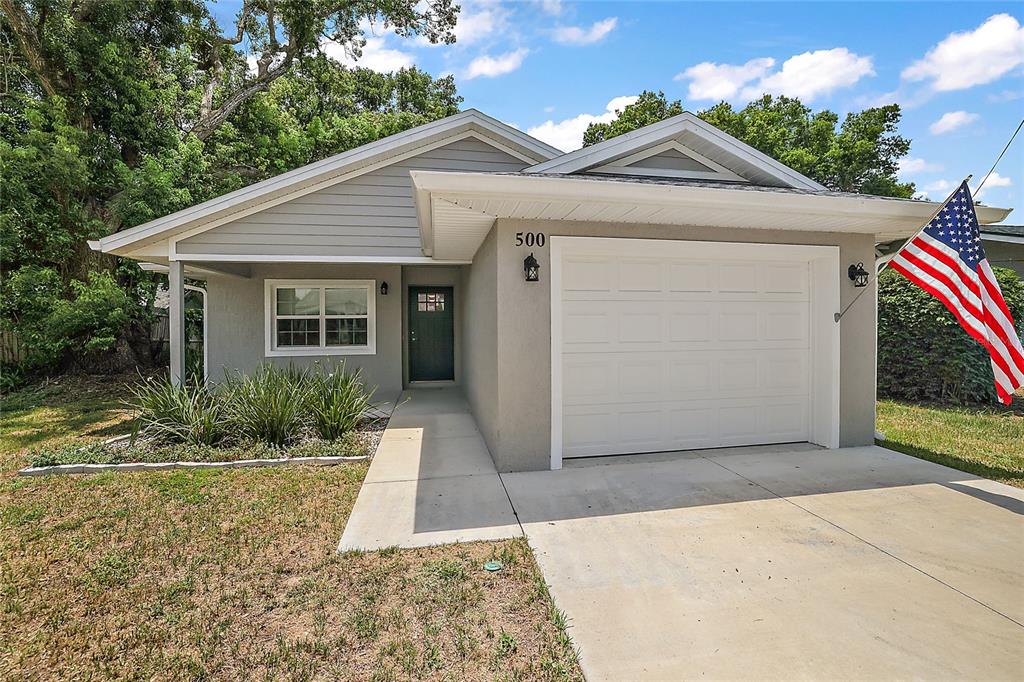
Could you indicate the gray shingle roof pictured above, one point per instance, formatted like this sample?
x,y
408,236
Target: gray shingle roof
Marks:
x,y
1009,230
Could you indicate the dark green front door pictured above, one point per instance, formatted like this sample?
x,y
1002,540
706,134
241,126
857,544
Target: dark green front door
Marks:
x,y
431,334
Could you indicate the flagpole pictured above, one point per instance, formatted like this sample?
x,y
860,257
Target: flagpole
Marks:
x,y
839,315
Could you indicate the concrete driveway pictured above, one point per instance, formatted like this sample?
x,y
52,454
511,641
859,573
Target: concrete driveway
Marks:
x,y
781,563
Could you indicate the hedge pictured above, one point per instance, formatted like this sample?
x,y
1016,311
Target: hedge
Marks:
x,y
924,354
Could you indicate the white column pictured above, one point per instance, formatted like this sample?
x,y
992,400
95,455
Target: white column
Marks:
x,y
176,312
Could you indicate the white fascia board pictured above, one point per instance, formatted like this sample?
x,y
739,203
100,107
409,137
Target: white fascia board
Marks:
x,y
450,186
588,157
275,258
529,149
1009,238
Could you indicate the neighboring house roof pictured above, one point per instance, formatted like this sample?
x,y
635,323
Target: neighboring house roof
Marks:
x,y
1003,233
697,138
326,172
457,209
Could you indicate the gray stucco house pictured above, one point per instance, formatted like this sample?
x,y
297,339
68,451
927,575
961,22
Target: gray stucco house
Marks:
x,y
667,289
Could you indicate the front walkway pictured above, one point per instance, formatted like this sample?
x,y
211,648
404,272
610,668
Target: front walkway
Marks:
x,y
432,480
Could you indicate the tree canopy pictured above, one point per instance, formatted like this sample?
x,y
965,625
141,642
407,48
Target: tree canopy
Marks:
x,y
119,111
858,155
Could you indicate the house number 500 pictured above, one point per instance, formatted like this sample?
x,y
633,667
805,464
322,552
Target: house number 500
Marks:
x,y
530,238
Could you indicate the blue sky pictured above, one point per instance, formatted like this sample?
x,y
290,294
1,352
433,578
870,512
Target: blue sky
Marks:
x,y
549,67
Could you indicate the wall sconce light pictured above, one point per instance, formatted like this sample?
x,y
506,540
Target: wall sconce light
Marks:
x,y
383,288
532,268
858,275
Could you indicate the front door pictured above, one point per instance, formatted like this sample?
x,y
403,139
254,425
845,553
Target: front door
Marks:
x,y
431,334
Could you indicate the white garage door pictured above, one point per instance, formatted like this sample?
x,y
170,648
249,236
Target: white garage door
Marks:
x,y
665,345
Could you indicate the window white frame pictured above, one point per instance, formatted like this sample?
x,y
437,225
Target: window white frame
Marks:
x,y
270,317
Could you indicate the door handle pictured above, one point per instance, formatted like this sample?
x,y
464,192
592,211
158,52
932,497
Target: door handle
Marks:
x,y
412,336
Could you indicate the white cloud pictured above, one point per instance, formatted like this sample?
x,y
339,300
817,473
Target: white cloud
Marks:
x,y
567,134
576,35
963,60
489,67
911,165
473,24
807,76
811,74
1006,96
709,80
376,55
994,180
552,7
951,120
944,186
548,109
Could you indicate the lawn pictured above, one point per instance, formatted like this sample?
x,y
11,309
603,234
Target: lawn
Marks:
x,y
987,442
233,574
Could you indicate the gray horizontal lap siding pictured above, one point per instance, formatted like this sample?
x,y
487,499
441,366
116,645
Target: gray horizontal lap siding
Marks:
x,y
370,215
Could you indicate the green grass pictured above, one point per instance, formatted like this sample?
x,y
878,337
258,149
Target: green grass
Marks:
x,y
233,574
988,442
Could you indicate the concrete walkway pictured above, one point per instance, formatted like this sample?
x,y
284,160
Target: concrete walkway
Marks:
x,y
432,480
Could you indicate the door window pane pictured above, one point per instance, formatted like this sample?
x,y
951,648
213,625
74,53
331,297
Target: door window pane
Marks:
x,y
345,301
430,303
296,301
298,332
346,331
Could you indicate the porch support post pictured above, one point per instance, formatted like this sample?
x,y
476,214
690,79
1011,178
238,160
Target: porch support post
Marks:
x,y
176,313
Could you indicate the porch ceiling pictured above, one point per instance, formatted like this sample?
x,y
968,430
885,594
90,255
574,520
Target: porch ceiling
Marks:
x,y
457,210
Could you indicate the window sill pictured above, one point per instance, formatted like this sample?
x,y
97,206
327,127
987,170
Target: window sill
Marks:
x,y
316,352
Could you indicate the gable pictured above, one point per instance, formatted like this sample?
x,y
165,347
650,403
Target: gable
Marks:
x,y
668,159
368,215
673,145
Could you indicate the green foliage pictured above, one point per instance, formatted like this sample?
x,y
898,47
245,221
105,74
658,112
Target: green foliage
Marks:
x,y
84,319
273,405
190,413
267,405
121,111
859,155
924,354
336,402
649,108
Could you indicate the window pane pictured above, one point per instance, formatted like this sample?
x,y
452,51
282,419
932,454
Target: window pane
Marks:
x,y
430,303
346,332
298,301
301,332
346,301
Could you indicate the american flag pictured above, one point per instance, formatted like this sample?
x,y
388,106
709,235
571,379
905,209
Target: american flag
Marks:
x,y
947,260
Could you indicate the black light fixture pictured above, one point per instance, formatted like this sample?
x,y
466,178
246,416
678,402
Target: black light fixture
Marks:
x,y
383,288
858,275
532,268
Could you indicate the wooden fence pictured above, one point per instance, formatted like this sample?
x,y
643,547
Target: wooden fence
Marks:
x,y
11,349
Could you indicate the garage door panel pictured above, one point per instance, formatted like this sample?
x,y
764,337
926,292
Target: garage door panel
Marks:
x,y
597,378
662,352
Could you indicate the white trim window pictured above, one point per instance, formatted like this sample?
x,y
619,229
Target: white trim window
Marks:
x,y
320,317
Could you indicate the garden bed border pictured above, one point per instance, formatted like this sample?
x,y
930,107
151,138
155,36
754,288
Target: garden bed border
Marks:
x,y
58,469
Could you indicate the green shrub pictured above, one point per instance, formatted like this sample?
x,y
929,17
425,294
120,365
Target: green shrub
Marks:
x,y
924,354
336,402
269,404
191,413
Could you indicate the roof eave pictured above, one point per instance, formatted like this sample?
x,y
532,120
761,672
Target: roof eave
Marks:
x,y
295,180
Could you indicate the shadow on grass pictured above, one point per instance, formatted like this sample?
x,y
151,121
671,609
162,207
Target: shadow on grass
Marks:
x,y
978,469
